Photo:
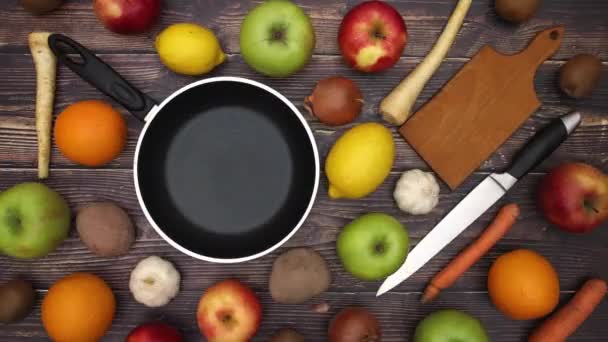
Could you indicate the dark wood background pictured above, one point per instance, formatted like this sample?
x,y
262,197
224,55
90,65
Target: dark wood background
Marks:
x,y
575,257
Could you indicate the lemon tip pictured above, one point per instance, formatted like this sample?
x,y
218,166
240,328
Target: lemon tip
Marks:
x,y
334,193
221,57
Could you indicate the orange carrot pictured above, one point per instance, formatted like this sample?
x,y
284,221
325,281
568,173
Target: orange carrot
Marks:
x,y
567,319
496,230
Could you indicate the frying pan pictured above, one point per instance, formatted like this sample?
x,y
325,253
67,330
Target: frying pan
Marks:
x,y
226,169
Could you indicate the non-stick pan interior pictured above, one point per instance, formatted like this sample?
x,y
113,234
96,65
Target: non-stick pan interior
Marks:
x,y
226,170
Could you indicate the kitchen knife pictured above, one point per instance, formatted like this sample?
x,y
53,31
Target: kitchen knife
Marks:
x,y
488,192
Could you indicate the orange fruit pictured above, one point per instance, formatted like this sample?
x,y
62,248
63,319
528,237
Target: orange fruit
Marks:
x,y
523,285
91,133
78,308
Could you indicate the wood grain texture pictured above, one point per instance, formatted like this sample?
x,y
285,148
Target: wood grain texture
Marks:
x,y
584,20
398,313
18,149
73,256
80,187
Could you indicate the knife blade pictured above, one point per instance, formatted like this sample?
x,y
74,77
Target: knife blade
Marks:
x,y
483,196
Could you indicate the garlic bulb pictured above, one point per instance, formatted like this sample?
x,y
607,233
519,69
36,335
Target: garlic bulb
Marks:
x,y
154,281
417,192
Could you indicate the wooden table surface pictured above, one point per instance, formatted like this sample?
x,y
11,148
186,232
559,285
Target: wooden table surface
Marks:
x,y
575,257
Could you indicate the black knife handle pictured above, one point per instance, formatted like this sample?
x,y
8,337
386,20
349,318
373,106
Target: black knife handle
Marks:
x,y
543,144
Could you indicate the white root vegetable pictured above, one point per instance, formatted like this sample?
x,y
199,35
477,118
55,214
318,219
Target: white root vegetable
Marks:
x,y
396,107
46,72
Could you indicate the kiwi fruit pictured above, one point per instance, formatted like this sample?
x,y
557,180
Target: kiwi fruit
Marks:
x,y
580,75
516,11
16,300
105,229
298,275
287,335
40,6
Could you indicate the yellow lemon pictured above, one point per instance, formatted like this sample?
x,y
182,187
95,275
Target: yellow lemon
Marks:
x,y
360,161
189,49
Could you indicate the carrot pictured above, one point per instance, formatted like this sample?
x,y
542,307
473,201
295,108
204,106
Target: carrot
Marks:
x,y
46,65
567,319
496,230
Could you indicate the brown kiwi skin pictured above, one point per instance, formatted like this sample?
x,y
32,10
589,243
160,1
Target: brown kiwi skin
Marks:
x,y
40,6
580,75
16,300
517,11
105,229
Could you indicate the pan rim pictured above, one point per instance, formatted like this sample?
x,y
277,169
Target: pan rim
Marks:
x,y
154,112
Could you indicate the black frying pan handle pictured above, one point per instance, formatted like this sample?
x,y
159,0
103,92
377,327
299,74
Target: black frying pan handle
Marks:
x,y
100,75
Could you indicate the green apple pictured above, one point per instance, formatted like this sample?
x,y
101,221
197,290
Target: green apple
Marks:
x,y
277,38
373,246
34,220
450,326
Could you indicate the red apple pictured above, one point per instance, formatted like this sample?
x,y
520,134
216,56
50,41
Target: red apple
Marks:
x,y
229,311
372,36
127,16
574,197
154,332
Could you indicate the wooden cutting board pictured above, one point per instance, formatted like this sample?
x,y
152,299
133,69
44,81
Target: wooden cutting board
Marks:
x,y
479,108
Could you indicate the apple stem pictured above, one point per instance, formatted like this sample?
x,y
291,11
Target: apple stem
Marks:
x,y
278,33
226,318
378,32
379,248
589,205
14,222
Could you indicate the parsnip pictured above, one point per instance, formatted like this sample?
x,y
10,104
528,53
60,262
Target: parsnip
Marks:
x,y
396,107
46,72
